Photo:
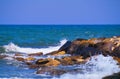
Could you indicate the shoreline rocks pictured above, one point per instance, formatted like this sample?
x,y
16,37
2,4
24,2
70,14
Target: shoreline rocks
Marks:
x,y
80,51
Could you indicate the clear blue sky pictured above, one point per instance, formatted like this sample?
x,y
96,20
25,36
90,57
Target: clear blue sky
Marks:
x,y
59,11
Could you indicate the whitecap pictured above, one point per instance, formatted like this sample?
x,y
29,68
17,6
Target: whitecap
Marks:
x,y
97,68
11,47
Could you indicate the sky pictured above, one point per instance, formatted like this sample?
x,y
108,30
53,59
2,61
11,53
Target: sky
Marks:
x,y
59,12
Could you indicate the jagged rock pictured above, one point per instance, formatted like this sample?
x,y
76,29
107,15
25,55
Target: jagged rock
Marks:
x,y
114,76
36,54
65,46
94,46
47,62
56,53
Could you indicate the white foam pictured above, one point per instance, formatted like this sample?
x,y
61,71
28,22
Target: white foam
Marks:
x,y
11,47
96,68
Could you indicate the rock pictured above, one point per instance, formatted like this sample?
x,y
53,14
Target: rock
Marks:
x,y
42,61
56,53
33,66
65,46
36,54
18,54
52,62
30,59
20,59
117,59
3,56
70,60
47,62
50,71
114,76
94,46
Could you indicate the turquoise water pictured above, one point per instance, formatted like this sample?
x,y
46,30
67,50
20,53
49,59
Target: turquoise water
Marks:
x,y
39,36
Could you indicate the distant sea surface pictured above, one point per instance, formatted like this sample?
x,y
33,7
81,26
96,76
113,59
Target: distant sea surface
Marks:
x,y
44,36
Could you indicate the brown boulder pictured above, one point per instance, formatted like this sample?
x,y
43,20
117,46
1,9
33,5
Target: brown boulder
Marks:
x,y
3,56
18,54
50,71
20,59
36,54
70,60
29,59
56,53
47,62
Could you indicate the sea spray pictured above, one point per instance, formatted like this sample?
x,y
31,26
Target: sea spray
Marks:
x,y
11,47
97,68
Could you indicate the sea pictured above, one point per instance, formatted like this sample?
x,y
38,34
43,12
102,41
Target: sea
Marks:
x,y
46,38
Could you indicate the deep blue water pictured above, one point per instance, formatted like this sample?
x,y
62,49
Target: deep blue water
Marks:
x,y
39,36
43,36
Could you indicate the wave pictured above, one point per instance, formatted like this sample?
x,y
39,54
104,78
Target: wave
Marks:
x,y
97,68
11,47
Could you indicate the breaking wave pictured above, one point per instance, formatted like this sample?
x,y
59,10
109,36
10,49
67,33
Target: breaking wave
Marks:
x,y
97,68
11,47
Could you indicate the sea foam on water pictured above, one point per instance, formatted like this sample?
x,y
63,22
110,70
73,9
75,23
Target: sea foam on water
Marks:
x,y
97,68
11,47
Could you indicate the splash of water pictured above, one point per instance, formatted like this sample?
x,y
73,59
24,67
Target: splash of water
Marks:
x,y
97,68
11,47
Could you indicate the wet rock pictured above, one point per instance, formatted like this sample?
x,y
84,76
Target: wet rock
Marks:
x,y
114,76
20,59
47,62
42,61
65,46
117,59
36,54
3,56
33,66
70,60
94,46
56,53
18,54
30,59
50,71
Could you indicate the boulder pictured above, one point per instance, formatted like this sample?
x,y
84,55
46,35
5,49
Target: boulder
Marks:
x,y
30,59
20,59
36,54
65,46
3,56
50,71
56,53
18,54
47,62
70,60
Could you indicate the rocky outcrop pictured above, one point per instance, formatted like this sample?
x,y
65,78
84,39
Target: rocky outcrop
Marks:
x,y
79,50
90,47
